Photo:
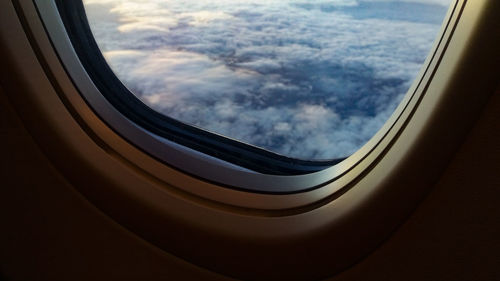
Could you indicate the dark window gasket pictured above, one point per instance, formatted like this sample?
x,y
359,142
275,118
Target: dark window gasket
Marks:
x,y
260,160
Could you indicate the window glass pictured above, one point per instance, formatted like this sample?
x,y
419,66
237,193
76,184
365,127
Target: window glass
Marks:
x,y
307,79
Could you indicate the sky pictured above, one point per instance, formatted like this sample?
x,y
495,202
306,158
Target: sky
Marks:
x,y
307,79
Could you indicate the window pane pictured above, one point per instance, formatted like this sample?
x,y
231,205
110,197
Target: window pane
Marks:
x,y
307,79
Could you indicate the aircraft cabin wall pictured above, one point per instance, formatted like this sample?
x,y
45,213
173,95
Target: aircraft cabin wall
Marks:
x,y
51,231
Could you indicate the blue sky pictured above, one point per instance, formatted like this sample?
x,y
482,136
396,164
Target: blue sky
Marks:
x,y
309,79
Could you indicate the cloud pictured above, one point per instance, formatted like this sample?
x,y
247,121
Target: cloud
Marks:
x,y
291,76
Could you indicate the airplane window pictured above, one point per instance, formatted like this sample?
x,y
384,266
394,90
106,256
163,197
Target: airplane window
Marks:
x,y
273,87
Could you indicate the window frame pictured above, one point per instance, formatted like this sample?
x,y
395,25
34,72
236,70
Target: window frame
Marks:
x,y
207,166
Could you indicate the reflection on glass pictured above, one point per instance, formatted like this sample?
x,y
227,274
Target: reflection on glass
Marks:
x,y
307,79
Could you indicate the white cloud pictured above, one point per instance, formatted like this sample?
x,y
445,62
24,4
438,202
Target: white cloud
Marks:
x,y
298,80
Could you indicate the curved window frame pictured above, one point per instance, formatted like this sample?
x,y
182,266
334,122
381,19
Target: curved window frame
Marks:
x,y
243,234
200,153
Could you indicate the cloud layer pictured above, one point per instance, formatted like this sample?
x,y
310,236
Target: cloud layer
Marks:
x,y
307,79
